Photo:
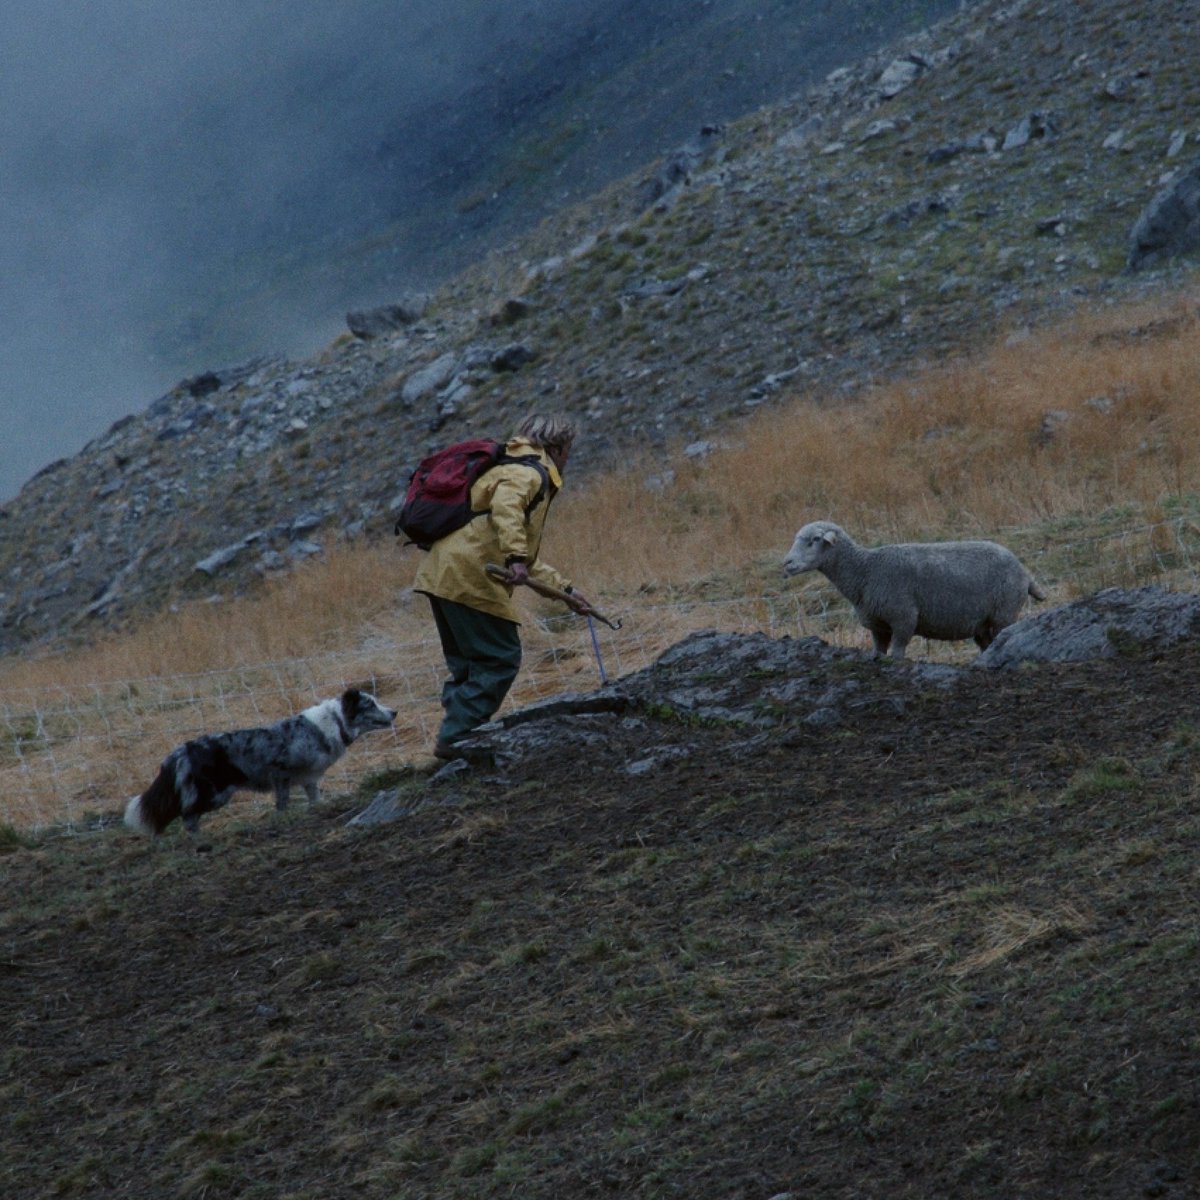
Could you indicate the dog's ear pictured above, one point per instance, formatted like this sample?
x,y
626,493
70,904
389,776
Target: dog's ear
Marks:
x,y
352,699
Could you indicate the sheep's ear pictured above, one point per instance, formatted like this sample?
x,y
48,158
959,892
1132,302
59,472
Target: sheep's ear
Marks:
x,y
830,536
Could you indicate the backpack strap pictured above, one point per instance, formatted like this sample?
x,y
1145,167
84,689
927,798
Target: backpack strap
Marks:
x,y
530,460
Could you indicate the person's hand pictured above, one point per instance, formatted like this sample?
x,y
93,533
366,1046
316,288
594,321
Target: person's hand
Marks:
x,y
518,573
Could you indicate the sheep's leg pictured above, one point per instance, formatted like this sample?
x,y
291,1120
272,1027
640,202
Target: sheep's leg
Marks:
x,y
901,636
312,789
985,635
283,791
881,635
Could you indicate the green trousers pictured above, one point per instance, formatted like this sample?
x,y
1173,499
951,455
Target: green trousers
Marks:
x,y
483,655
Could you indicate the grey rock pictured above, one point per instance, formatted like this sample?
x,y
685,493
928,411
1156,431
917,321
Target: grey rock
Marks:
x,y
944,153
512,310
383,809
677,168
897,76
513,357
388,318
659,758
272,560
213,563
987,142
522,735
430,379
1037,125
305,522
652,287
175,430
202,385
1120,88
936,675
476,358
452,771
387,806
905,214
1113,622
1055,225
823,718
878,129
1170,224
758,682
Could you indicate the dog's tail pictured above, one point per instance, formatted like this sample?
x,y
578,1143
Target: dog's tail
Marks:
x,y
159,804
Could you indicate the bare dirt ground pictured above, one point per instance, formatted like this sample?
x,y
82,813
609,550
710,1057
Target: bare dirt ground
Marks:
x,y
950,951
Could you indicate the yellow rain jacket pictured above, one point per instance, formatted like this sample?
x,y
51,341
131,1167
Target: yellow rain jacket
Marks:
x,y
453,569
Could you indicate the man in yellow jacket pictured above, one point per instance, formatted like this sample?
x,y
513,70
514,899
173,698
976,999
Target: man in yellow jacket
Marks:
x,y
476,619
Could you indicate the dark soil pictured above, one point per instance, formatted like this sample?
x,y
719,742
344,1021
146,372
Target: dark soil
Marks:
x,y
946,953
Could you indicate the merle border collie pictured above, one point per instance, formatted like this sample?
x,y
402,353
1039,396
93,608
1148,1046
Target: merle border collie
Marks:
x,y
201,775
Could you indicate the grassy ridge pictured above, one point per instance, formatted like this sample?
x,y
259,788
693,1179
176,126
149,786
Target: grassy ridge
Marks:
x,y
963,967
1074,446
1076,432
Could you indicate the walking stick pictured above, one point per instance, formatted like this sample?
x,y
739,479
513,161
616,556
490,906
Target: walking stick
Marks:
x,y
596,648
544,589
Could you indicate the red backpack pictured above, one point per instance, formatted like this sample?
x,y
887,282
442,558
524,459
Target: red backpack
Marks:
x,y
438,499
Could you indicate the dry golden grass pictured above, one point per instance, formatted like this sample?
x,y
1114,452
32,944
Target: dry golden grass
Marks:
x,y
1076,446
1011,931
1061,426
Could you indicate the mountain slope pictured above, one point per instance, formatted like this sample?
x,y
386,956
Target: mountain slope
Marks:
x,y
551,103
213,182
979,175
945,946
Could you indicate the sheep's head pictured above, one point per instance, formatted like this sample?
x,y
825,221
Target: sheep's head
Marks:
x,y
812,544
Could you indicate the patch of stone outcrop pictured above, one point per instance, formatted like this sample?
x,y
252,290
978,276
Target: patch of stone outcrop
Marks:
x,y
387,318
751,685
391,804
272,549
1109,624
1033,127
677,167
758,681
745,684
1170,224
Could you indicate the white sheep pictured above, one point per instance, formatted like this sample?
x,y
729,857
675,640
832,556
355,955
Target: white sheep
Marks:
x,y
944,590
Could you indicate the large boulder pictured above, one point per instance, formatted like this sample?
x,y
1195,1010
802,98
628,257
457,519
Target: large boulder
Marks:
x,y
431,378
1170,224
388,318
1110,623
677,168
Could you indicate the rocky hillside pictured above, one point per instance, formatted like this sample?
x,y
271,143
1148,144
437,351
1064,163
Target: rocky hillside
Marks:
x,y
981,174
766,921
563,101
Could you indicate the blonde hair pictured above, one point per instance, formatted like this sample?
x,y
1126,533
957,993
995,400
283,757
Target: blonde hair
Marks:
x,y
548,432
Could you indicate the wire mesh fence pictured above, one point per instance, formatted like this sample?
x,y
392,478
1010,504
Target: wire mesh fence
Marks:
x,y
78,750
